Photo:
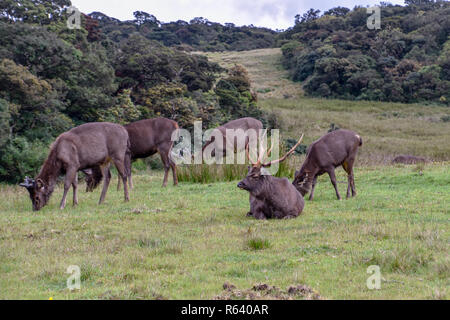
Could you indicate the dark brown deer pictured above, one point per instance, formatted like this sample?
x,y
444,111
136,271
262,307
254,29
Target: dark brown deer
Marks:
x,y
244,124
337,148
151,136
147,137
87,146
271,197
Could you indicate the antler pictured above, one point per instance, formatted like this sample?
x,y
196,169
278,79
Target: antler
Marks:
x,y
27,183
268,164
248,156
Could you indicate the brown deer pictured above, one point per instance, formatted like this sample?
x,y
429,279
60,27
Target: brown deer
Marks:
x,y
408,159
244,124
271,197
147,137
337,148
87,146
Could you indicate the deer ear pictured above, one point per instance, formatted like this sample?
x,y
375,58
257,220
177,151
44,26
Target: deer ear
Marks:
x,y
39,183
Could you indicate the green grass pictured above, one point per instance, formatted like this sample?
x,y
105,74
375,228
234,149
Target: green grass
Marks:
x,y
187,241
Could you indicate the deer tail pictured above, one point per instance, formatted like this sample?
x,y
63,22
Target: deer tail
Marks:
x,y
360,140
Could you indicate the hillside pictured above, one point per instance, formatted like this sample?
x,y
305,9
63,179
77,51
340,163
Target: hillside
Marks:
x,y
336,54
388,129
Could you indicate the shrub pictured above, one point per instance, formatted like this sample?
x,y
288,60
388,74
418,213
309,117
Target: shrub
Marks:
x,y
21,157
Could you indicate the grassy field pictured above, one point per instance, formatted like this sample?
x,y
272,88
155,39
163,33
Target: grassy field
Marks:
x,y
187,241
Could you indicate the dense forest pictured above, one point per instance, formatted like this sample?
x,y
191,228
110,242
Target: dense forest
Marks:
x,y
336,55
53,78
198,34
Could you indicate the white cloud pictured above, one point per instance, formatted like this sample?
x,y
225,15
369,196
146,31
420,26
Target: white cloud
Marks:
x,y
268,13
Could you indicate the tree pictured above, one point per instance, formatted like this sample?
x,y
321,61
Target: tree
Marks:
x,y
4,122
33,11
337,12
309,16
142,18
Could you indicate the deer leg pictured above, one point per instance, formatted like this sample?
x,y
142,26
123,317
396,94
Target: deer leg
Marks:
x,y
349,185
351,177
164,153
353,185
107,177
128,167
118,183
173,166
123,174
70,177
334,182
174,173
75,189
130,181
311,195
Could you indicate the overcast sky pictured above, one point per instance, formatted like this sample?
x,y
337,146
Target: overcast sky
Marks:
x,y
275,14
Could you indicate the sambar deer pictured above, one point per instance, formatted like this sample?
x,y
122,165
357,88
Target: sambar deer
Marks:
x,y
271,197
337,148
147,137
87,146
243,125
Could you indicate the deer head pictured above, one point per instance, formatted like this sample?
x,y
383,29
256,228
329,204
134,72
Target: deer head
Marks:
x,y
37,190
255,174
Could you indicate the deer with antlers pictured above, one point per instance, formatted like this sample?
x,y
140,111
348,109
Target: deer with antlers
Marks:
x,y
271,197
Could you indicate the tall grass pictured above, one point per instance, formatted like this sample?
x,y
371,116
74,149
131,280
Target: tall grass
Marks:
x,y
203,173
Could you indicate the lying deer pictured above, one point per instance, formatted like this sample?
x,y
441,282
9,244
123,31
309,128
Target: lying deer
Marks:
x,y
271,197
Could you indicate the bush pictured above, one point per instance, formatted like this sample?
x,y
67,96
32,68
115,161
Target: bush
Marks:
x,y
20,158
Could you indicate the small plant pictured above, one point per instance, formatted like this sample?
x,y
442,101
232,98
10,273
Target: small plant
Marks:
x,y
445,118
258,243
333,127
419,168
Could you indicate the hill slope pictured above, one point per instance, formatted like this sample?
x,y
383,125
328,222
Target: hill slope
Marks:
x,y
388,129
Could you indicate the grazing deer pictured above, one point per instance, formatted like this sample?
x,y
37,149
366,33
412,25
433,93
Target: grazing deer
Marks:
x,y
87,146
337,148
271,197
147,137
244,124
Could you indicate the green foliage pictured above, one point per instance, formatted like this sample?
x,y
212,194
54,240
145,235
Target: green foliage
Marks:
x,y
197,34
124,112
4,122
235,98
53,78
33,11
301,149
21,157
337,56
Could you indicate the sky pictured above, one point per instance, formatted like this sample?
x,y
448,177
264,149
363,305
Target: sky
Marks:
x,y
274,14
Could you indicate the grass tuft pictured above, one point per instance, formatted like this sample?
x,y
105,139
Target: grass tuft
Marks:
x,y
257,243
